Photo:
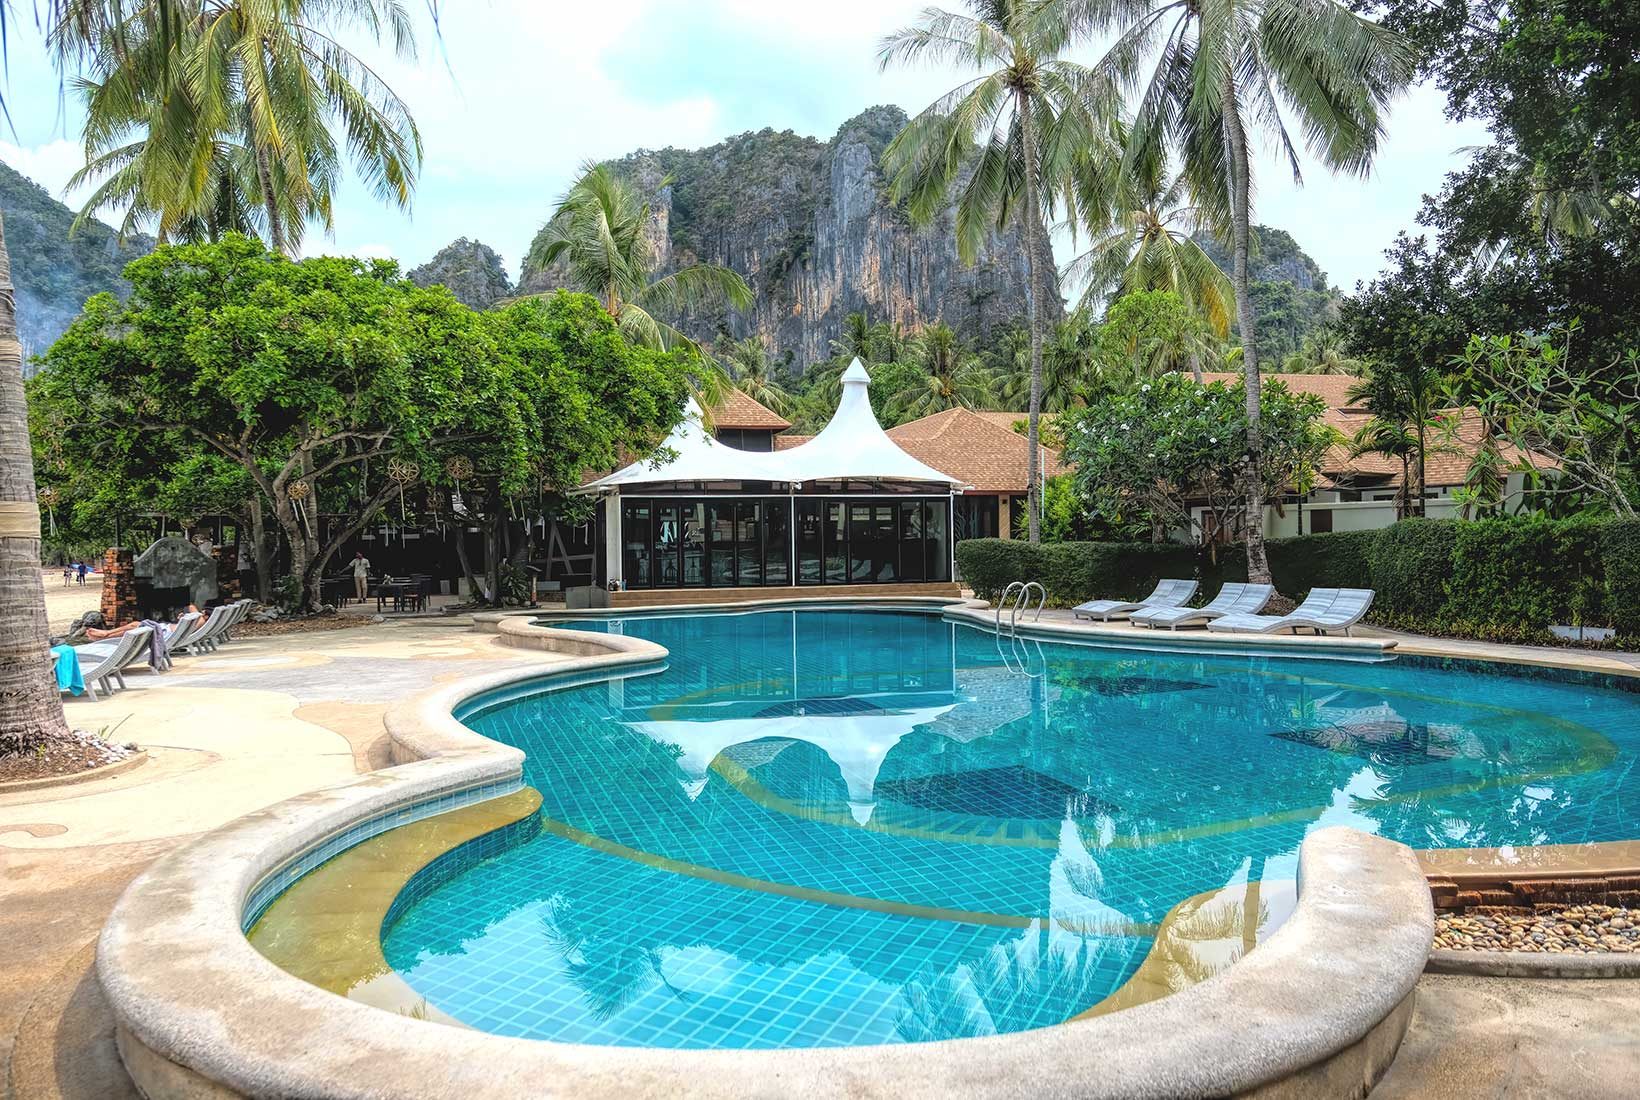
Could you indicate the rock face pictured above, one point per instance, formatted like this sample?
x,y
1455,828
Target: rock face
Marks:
x,y
471,270
810,227
55,272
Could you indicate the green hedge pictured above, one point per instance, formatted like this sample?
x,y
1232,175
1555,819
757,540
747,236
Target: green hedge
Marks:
x,y
1411,564
1620,565
1342,559
1504,579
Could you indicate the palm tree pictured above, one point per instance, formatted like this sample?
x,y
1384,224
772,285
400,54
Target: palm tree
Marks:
x,y
1206,74
195,104
955,378
1379,436
750,370
600,230
1005,138
1322,352
1149,242
1406,404
1071,367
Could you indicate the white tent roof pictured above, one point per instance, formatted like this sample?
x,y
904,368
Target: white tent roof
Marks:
x,y
852,446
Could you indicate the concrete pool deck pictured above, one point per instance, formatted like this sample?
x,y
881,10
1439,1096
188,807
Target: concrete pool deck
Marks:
x,y
265,718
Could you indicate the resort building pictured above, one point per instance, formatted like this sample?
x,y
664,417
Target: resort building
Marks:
x,y
1359,492
847,508
989,453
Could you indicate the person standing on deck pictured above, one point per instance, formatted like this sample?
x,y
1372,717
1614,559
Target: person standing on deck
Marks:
x,y
361,575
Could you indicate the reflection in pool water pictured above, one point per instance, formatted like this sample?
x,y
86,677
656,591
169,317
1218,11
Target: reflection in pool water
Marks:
x,y
820,828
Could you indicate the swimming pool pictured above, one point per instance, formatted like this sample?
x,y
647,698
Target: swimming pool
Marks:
x,y
822,828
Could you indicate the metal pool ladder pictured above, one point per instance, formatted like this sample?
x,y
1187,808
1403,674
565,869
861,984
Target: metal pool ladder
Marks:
x,y
1021,593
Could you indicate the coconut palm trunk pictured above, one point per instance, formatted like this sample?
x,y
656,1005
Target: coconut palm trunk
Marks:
x,y
270,202
31,711
1033,318
1258,564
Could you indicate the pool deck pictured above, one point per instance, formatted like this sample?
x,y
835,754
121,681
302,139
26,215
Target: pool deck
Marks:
x,y
264,719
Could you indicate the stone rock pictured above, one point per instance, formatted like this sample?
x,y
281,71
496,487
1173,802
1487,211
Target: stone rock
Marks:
x,y
471,270
810,226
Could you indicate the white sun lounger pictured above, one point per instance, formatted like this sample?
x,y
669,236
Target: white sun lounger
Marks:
x,y
1169,593
181,633
1235,598
206,638
101,662
241,609
1324,610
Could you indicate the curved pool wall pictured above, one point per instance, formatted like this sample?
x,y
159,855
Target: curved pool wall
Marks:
x,y
198,1009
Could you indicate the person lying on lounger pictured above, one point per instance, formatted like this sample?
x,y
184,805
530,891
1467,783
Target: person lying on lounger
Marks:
x,y
100,635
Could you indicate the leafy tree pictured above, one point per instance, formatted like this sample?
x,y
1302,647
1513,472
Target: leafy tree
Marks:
x,y
1153,332
1585,421
1073,366
1208,75
1004,139
322,380
1143,456
599,232
1405,397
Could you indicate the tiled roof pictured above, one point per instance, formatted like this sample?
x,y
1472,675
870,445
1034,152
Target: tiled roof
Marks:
x,y
788,441
1009,419
1331,388
740,411
972,446
1446,458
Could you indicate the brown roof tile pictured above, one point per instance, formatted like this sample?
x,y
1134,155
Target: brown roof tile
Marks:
x,y
740,411
975,448
788,441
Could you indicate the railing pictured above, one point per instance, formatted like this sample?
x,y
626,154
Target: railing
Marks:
x,y
1020,593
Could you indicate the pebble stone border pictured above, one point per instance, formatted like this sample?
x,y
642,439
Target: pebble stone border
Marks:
x,y
1575,930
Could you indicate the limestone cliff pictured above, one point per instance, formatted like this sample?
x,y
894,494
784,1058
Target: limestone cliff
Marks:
x,y
471,270
809,226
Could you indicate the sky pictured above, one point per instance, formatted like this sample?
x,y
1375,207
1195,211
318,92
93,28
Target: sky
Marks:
x,y
519,94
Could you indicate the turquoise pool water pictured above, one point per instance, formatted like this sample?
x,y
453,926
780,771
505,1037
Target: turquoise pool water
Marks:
x,y
821,827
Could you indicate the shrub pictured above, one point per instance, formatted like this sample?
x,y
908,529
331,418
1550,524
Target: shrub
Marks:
x,y
1341,559
989,565
1518,575
1619,552
1411,565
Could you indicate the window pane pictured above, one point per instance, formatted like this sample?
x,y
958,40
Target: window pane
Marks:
x,y
694,545
666,546
777,542
809,523
749,543
836,535
913,551
635,536
720,542
885,533
938,541
860,549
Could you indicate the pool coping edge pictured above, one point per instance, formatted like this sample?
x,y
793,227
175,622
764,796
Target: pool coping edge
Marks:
x,y
194,1003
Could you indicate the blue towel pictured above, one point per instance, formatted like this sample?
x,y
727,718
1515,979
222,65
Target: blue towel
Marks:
x,y
68,670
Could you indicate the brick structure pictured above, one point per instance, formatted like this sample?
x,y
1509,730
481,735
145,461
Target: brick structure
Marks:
x,y
227,571
119,589
1458,895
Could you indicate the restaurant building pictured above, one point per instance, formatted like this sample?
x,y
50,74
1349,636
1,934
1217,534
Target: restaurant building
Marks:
x,y
846,510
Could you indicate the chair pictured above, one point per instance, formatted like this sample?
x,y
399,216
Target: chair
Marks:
x,y
179,635
207,637
1169,593
98,664
1234,598
1323,610
241,608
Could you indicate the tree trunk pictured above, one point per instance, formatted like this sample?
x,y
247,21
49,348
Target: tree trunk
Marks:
x,y
1258,564
1196,366
270,203
1423,443
31,710
261,552
1033,318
